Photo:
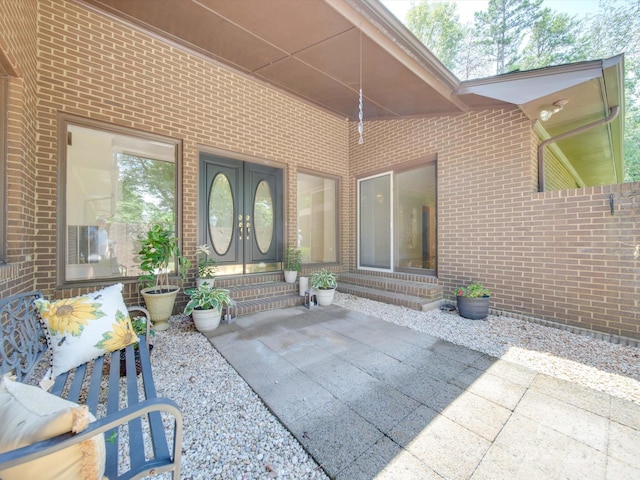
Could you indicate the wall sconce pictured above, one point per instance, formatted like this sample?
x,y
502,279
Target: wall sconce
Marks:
x,y
548,110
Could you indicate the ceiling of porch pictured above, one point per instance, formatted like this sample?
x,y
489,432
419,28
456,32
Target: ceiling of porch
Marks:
x,y
321,51
309,48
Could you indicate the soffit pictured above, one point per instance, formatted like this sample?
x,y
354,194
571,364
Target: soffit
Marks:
x,y
590,88
307,48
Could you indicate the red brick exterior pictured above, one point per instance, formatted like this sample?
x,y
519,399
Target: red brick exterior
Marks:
x,y
559,256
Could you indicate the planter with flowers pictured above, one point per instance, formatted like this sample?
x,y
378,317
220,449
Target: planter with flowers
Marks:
x,y
205,306
207,267
473,301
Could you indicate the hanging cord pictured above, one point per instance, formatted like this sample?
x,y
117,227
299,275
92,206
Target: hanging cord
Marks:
x,y
360,115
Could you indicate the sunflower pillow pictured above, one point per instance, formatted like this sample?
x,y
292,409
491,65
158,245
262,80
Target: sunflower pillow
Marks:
x,y
82,328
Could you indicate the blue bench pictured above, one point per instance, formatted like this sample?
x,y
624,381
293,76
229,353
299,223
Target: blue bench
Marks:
x,y
129,410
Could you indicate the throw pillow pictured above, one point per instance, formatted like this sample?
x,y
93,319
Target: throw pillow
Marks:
x,y
28,415
82,328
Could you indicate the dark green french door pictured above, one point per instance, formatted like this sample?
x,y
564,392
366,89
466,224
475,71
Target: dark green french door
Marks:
x,y
241,214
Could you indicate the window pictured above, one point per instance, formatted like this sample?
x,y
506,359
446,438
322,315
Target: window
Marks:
x,y
397,220
317,218
116,185
4,81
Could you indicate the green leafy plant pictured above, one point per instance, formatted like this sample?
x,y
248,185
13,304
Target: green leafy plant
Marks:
x,y
206,297
324,279
207,267
473,290
158,252
139,325
293,260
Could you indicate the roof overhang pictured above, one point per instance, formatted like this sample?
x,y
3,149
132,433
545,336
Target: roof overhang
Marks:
x,y
318,50
324,51
590,90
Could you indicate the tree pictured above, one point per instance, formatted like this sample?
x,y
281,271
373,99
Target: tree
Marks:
x,y
613,30
502,28
553,41
438,27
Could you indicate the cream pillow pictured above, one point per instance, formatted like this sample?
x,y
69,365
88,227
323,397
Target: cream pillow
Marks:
x,y
82,328
28,414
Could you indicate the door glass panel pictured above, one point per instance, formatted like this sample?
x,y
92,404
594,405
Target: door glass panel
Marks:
x,y
375,222
415,218
263,216
221,214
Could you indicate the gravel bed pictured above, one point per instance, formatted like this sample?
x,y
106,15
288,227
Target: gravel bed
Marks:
x,y
230,434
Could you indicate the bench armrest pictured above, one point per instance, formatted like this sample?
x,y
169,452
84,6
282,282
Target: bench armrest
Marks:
x,y
37,450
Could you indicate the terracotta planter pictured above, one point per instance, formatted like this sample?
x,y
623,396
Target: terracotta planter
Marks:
x,y
160,302
473,308
206,320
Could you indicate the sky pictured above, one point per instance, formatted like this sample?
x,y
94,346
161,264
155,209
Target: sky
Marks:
x,y
466,8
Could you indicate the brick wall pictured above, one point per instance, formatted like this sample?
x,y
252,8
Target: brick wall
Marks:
x,y
559,256
18,47
96,68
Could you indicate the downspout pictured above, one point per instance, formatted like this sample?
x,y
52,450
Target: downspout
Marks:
x,y
613,113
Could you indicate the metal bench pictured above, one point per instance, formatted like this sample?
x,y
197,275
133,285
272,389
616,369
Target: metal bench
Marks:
x,y
131,408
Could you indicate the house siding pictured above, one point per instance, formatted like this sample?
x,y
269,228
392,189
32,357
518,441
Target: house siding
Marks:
x,y
96,68
18,42
558,256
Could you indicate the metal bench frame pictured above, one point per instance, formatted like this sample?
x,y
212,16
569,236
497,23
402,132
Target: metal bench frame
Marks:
x,y
23,346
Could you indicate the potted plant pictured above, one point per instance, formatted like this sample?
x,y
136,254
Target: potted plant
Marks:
x,y
139,325
324,282
292,264
205,306
473,301
207,267
159,252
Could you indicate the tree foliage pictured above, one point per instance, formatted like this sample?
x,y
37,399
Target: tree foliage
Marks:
x,y
521,34
502,28
438,26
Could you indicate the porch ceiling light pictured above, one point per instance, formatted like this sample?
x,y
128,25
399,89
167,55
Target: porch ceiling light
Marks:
x,y
548,110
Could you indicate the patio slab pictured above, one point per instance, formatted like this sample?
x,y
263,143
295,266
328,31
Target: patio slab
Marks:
x,y
371,399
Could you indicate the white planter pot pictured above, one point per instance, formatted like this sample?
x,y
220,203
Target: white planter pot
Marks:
x,y
206,320
290,276
160,305
205,281
325,297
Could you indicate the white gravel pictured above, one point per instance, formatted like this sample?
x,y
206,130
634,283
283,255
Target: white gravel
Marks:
x,y
230,434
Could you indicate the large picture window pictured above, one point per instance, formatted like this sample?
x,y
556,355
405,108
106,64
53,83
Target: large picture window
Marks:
x,y
317,218
116,186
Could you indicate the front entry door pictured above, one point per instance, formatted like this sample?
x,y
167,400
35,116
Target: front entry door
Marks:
x,y
241,214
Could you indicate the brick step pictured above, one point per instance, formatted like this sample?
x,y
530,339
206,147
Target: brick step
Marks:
x,y
246,307
395,283
393,298
408,277
229,281
259,291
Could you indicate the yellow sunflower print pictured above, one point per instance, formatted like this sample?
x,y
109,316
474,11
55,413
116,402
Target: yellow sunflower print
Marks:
x,y
70,316
121,335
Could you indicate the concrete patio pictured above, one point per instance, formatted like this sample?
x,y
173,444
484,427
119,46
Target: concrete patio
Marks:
x,y
371,399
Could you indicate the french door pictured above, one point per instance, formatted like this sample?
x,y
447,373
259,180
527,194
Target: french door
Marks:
x,y
241,214
396,220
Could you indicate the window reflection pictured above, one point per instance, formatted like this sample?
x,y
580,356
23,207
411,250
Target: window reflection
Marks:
x,y
317,218
117,186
